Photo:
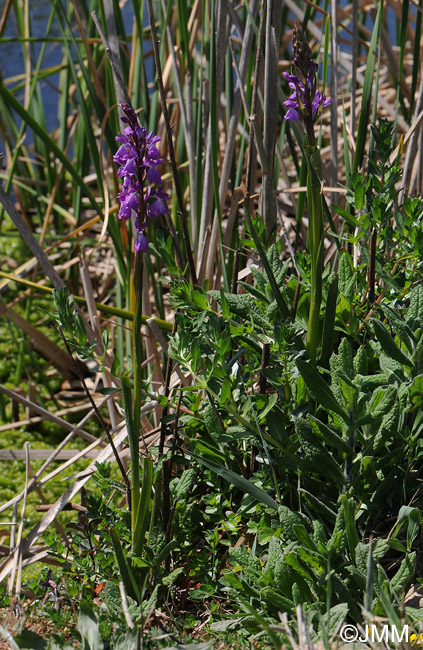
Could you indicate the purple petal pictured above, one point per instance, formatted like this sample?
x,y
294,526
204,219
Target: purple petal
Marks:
x,y
124,212
291,115
153,153
121,155
160,194
152,139
121,137
154,176
158,207
128,202
291,78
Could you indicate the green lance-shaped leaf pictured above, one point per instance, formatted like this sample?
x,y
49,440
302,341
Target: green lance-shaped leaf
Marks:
x,y
367,94
141,520
388,344
405,573
415,310
330,435
319,389
240,482
124,568
89,627
329,322
351,528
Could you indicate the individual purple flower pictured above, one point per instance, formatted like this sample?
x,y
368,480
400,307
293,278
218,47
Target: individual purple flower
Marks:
x,y
142,192
305,102
141,243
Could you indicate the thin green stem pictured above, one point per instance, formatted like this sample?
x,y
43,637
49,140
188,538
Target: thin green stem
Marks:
x,y
137,357
315,243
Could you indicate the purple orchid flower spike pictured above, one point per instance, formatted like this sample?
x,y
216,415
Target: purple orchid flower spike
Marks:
x,y
306,102
142,194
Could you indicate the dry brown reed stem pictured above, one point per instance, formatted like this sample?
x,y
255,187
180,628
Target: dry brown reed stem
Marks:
x,y
103,424
187,123
120,88
413,137
4,15
95,324
221,40
270,115
253,115
207,192
258,137
174,166
334,93
97,442
47,506
40,342
46,414
51,515
17,552
41,256
152,357
30,240
125,607
113,43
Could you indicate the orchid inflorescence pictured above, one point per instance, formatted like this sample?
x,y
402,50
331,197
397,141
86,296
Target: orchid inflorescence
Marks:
x,y
142,192
306,101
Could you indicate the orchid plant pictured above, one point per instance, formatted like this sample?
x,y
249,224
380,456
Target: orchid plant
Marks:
x,y
142,197
305,104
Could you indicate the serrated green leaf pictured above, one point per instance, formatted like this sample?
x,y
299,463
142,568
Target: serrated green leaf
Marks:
x,y
345,275
415,310
405,572
292,559
337,614
170,579
400,328
244,306
416,392
317,458
184,483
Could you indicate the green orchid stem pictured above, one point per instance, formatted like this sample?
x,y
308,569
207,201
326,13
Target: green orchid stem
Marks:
x,y
137,357
315,244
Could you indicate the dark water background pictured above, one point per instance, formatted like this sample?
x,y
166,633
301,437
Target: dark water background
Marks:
x,y
12,59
